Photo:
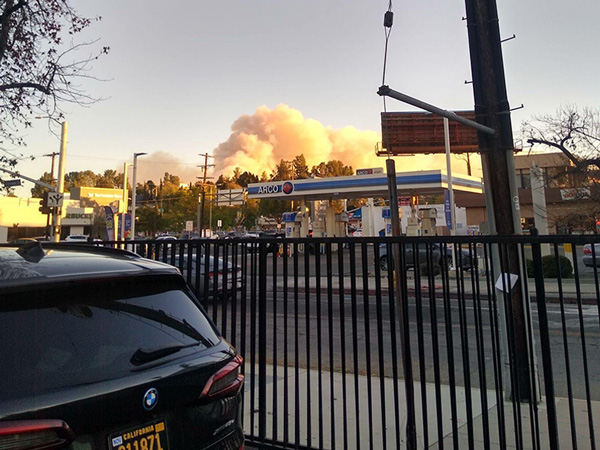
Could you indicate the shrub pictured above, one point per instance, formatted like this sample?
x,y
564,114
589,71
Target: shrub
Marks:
x,y
551,268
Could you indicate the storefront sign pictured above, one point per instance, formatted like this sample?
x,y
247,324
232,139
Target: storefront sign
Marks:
x,y
370,171
574,194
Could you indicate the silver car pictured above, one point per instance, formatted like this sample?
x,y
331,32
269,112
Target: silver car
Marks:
x,y
222,278
591,258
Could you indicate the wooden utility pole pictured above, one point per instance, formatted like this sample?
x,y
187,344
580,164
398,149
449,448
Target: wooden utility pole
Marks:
x,y
205,167
492,109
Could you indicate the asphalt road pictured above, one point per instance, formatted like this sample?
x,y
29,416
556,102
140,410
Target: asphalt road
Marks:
x,y
451,340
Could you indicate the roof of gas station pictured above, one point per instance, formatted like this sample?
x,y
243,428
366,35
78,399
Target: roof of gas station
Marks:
x,y
428,182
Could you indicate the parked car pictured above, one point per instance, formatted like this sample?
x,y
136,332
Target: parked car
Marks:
x,y
76,238
106,350
166,237
440,255
221,277
252,241
591,259
24,240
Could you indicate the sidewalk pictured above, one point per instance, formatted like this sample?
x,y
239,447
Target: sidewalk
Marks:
x,y
332,404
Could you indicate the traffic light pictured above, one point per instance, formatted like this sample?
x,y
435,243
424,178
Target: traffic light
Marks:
x,y
44,208
414,200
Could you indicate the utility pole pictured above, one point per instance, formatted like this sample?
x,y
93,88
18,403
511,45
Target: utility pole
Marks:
x,y
492,109
205,167
125,197
60,188
134,192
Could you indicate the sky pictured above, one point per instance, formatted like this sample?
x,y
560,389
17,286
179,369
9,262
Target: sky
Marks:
x,y
251,82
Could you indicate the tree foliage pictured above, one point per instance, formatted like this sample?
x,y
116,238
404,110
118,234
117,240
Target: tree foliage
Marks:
x,y
333,168
109,179
40,69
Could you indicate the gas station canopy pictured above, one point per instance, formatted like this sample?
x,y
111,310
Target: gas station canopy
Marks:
x,y
429,182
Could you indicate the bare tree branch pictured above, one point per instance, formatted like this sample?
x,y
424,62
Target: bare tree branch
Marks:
x,y
39,64
46,90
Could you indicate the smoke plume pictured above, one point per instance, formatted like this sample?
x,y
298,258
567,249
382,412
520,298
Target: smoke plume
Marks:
x,y
259,141
153,167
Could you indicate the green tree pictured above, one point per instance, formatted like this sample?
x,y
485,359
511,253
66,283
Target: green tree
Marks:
x,y
246,178
283,171
300,168
37,191
333,168
274,208
87,178
110,179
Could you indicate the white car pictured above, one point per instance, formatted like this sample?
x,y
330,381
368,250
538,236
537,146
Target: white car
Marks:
x,y
76,238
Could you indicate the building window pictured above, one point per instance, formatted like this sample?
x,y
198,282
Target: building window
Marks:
x,y
523,179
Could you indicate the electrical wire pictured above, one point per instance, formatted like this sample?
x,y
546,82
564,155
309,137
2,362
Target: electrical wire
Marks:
x,y
388,21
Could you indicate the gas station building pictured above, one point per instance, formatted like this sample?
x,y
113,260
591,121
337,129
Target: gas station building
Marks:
x,y
373,184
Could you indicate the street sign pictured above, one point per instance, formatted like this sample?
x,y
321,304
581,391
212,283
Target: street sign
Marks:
x,y
189,225
55,199
11,183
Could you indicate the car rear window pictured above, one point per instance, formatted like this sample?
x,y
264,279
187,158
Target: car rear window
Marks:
x,y
77,334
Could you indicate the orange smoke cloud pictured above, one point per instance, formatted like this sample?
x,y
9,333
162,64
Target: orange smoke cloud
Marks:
x,y
153,167
259,141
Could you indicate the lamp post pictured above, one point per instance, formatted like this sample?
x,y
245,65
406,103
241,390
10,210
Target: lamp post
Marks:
x,y
133,192
124,208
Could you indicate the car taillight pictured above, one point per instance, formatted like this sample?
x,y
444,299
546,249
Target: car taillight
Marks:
x,y
587,250
226,382
35,435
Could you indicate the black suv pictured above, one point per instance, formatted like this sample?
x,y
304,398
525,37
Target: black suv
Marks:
x,y
429,254
105,350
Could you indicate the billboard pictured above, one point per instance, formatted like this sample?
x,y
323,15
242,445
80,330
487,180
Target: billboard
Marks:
x,y
408,133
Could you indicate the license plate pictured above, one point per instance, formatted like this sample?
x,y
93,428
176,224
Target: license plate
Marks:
x,y
148,436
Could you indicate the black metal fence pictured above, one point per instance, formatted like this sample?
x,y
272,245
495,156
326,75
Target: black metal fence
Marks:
x,y
501,338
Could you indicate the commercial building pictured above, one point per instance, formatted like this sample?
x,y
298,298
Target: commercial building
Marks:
x,y
81,214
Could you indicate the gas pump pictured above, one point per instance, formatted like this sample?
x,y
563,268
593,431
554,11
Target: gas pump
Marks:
x,y
428,221
412,226
318,230
386,213
292,222
341,224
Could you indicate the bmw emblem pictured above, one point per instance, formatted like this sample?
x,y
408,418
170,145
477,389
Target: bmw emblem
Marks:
x,y
150,399
288,187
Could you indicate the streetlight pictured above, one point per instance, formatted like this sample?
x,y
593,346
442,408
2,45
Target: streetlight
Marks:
x,y
124,208
133,192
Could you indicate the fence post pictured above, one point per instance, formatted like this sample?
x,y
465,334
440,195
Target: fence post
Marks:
x,y
402,310
540,296
262,340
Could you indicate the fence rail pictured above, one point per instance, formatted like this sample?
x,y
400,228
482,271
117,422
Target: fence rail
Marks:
x,y
503,333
